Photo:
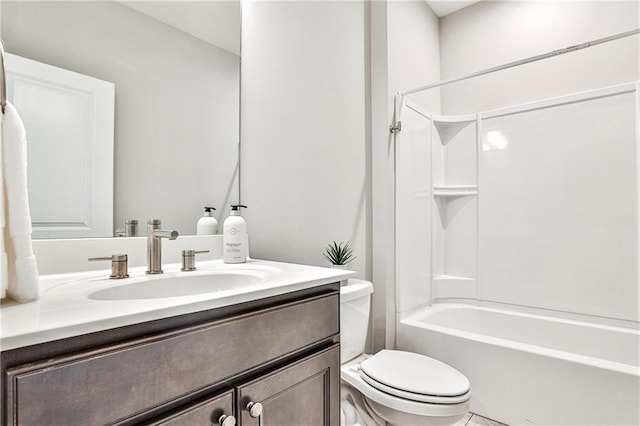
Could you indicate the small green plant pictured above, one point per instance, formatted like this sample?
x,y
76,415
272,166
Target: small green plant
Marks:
x,y
338,254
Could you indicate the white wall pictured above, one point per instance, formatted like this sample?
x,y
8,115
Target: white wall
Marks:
x,y
413,212
559,208
176,118
492,33
397,28
414,51
305,173
578,261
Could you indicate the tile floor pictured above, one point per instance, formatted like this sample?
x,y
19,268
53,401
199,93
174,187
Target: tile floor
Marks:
x,y
472,419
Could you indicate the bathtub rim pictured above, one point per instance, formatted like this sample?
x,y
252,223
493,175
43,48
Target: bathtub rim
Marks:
x,y
522,309
416,319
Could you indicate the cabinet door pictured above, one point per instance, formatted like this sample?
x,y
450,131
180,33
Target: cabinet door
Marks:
x,y
213,411
305,393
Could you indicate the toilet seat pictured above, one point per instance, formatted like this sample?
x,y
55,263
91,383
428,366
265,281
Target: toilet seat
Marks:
x,y
431,399
350,373
415,377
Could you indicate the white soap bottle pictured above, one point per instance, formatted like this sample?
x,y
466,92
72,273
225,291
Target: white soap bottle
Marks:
x,y
207,225
234,237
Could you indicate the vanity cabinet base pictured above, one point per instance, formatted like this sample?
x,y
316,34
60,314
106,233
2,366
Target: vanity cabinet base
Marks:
x,y
285,355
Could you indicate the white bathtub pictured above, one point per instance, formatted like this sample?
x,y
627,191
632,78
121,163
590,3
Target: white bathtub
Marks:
x,y
533,369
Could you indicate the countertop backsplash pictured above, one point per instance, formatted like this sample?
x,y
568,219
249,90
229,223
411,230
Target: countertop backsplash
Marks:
x,y
58,256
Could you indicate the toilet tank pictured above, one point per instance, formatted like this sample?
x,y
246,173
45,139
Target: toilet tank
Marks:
x,y
355,300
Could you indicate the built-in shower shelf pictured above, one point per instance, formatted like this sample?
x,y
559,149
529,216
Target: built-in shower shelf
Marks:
x,y
453,286
449,126
455,190
442,278
450,286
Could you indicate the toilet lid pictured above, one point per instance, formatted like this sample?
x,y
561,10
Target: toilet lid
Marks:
x,y
414,376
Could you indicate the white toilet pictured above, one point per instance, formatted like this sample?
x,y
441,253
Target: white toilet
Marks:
x,y
396,387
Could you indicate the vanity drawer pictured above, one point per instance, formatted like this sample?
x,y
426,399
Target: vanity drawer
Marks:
x,y
112,384
205,413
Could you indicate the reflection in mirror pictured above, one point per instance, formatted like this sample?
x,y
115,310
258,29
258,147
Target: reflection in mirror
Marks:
x,y
70,121
175,67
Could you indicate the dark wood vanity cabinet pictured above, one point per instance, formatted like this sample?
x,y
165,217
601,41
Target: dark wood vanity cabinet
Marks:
x,y
283,356
299,394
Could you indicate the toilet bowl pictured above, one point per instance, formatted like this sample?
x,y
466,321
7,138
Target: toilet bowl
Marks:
x,y
398,388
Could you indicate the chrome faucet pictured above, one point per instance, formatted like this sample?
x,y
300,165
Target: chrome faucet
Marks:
x,y
154,245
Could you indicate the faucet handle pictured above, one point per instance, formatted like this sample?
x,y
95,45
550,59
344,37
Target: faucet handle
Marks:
x,y
131,228
189,259
119,265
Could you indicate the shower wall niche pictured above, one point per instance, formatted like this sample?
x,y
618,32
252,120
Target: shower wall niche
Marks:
x,y
454,204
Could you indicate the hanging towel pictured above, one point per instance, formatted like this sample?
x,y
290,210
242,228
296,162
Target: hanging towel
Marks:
x,y
4,276
21,269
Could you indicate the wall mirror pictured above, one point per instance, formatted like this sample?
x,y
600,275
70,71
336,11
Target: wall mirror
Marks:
x,y
175,72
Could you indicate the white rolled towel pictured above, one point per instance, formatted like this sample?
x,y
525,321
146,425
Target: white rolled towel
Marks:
x,y
4,271
4,274
14,143
22,270
24,285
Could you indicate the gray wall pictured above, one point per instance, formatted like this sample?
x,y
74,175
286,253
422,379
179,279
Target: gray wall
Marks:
x,y
177,101
318,80
305,153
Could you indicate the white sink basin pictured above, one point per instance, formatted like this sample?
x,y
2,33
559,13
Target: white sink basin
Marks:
x,y
73,304
171,284
180,285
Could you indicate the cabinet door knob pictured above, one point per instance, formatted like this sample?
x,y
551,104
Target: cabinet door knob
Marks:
x,y
255,409
225,420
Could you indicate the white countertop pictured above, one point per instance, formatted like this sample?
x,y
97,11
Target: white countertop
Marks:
x,y
65,309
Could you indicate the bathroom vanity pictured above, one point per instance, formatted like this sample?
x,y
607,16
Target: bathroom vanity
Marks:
x,y
268,355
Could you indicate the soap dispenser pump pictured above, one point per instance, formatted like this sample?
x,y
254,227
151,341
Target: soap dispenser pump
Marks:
x,y
207,225
234,237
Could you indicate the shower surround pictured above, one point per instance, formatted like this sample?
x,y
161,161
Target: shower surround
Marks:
x,y
521,212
